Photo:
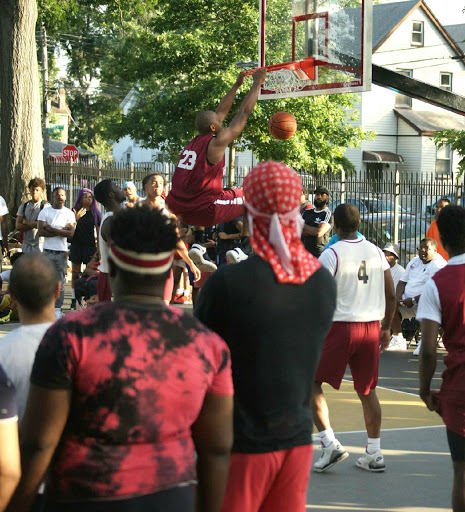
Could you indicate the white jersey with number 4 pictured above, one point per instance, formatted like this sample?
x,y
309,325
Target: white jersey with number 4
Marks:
x,y
358,267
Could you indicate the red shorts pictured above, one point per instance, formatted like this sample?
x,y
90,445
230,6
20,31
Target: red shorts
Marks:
x,y
355,344
203,277
228,206
103,287
268,482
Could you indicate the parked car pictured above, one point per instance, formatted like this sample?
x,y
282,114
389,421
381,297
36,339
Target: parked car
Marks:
x,y
370,205
378,228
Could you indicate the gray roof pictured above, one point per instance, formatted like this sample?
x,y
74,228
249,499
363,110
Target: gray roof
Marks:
x,y
426,122
387,16
457,32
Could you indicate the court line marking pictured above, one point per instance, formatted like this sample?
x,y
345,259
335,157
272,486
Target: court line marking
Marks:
x,y
388,389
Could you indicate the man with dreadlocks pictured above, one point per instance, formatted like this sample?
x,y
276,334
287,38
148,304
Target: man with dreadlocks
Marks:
x,y
129,397
274,319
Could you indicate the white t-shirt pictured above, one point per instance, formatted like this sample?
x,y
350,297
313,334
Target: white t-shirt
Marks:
x,y
397,271
103,246
3,211
429,306
418,273
56,218
358,267
17,354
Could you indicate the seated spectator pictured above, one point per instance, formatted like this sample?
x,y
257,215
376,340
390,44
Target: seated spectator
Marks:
x,y
229,237
412,283
10,467
8,307
86,285
129,397
392,252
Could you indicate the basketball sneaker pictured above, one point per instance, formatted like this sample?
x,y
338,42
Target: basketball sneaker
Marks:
x,y
330,456
198,254
236,255
372,462
398,342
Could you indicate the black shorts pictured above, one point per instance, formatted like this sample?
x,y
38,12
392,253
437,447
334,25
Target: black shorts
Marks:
x,y
176,499
79,254
456,446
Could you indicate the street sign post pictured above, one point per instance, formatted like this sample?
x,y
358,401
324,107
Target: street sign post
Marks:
x,y
70,152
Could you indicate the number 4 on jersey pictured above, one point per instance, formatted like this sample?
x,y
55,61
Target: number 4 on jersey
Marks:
x,y
362,272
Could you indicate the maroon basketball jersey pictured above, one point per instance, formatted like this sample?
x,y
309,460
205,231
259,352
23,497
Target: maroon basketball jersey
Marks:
x,y
196,183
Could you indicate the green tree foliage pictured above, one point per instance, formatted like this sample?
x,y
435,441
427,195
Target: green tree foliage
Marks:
x,y
185,56
456,139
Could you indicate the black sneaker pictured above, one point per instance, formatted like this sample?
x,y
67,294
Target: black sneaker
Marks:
x,y
5,316
73,303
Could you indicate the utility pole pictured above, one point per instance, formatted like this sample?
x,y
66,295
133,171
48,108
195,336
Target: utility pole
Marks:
x,y
45,101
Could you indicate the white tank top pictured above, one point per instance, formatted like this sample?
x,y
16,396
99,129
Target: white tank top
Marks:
x,y
103,246
358,267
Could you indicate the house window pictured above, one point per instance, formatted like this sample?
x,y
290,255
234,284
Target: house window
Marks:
x,y
445,81
443,160
128,158
417,33
402,100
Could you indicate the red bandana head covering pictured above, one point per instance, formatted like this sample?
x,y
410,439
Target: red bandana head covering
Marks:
x,y
272,198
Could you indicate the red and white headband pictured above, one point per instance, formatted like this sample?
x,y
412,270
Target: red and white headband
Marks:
x,y
141,262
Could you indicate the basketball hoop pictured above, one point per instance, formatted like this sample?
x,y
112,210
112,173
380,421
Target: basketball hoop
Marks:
x,y
288,77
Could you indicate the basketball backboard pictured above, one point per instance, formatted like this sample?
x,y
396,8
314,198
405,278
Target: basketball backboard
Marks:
x,y
332,37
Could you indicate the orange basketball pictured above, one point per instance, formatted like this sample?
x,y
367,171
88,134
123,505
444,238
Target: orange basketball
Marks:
x,y
282,125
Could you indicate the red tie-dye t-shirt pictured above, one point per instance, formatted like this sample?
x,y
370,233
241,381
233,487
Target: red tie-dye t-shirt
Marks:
x,y
138,376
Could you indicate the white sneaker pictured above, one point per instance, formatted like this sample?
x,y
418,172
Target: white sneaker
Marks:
x,y
373,462
441,344
416,352
198,255
236,255
398,342
330,456
58,313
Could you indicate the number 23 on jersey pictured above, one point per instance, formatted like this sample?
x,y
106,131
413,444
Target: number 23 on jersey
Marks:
x,y
187,160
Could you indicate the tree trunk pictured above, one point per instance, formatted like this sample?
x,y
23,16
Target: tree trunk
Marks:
x,y
21,153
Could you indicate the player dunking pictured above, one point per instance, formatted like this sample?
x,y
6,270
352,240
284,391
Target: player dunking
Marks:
x,y
365,296
197,196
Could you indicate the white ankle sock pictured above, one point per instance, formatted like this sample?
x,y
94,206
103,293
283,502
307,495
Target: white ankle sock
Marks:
x,y
186,293
327,437
179,291
373,445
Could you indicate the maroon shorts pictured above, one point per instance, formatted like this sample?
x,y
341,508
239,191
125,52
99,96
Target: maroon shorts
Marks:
x,y
268,482
355,344
103,287
228,206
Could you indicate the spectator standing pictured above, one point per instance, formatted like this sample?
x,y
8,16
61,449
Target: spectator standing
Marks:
x,y
442,304
433,231
365,297
83,247
26,218
110,196
318,222
4,227
129,396
34,286
56,224
392,253
412,283
10,465
270,311
130,191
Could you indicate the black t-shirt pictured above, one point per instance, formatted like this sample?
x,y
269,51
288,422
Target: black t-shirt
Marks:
x,y
223,246
316,244
84,234
275,332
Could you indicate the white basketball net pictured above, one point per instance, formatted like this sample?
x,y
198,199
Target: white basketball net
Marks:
x,y
283,81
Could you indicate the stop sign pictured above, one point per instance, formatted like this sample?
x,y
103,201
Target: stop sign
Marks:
x,y
70,152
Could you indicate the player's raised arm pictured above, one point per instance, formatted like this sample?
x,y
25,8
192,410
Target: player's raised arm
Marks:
x,y
218,145
226,103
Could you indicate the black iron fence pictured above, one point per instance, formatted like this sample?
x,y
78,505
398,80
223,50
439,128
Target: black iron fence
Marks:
x,y
394,207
